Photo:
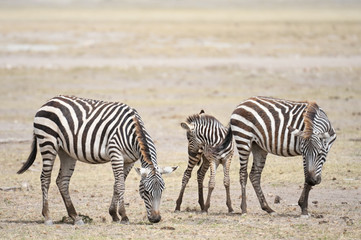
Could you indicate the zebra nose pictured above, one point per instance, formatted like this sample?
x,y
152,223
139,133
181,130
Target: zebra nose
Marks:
x,y
154,219
312,179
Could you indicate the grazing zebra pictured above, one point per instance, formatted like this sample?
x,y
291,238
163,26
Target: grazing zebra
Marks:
x,y
204,133
96,132
263,125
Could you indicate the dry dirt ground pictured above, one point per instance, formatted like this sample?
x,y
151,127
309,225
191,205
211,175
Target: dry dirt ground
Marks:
x,y
168,64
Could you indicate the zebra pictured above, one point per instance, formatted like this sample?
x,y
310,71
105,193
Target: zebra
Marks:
x,y
263,125
96,132
204,133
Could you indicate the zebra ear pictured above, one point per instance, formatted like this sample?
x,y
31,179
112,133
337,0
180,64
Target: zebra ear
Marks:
x,y
143,172
166,170
295,132
186,126
201,112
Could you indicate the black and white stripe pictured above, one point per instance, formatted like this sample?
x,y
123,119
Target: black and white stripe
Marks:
x,y
95,132
204,134
263,125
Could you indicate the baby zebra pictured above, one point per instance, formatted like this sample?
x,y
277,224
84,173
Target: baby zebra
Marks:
x,y
204,133
96,132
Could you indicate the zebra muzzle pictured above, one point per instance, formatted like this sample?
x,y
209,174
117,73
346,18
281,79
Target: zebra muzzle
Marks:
x,y
312,179
154,217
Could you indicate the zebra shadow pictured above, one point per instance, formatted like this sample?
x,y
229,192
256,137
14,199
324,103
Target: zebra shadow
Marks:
x,y
22,221
36,222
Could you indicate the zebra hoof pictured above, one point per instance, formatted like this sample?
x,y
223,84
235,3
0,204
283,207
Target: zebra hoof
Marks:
x,y
204,212
48,222
230,210
305,216
176,211
273,214
125,220
79,222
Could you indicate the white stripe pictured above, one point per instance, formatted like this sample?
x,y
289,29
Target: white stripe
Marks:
x,y
273,127
63,121
250,124
72,112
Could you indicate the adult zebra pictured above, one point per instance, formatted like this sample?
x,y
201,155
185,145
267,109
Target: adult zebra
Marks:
x,y
96,132
263,125
204,134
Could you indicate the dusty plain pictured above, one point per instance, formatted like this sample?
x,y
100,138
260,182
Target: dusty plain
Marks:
x,y
170,63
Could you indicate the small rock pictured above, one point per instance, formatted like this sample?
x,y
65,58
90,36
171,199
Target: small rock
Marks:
x,y
315,202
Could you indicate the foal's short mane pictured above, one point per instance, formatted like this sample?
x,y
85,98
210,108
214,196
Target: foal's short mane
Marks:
x,y
198,117
309,115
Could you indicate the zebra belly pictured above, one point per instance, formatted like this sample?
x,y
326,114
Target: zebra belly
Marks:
x,y
277,148
94,158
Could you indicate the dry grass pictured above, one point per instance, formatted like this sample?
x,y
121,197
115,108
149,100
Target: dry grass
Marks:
x,y
165,96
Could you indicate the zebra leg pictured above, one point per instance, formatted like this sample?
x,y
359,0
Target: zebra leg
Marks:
x,y
67,165
303,201
200,179
212,182
48,154
193,159
259,159
226,182
119,189
243,151
121,211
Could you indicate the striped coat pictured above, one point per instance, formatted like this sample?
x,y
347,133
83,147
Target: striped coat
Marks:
x,y
204,134
96,132
263,125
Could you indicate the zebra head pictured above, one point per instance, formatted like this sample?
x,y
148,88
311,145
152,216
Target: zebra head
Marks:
x,y
315,143
151,187
192,126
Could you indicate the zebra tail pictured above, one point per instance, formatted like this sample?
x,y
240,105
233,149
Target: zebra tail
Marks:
x,y
226,141
31,157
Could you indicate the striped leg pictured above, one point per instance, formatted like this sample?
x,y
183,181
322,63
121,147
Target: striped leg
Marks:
x,y
194,158
243,151
200,179
119,189
48,154
67,165
259,159
212,182
226,182
127,168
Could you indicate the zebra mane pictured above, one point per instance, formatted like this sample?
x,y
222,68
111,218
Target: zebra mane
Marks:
x,y
309,115
142,139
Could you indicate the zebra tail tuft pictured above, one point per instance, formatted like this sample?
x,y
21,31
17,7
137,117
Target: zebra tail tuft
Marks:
x,y
31,157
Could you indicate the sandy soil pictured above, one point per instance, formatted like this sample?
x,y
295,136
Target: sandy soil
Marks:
x,y
168,64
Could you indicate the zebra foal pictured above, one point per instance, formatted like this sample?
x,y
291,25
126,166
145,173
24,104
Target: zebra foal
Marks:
x,y
263,125
204,133
96,132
